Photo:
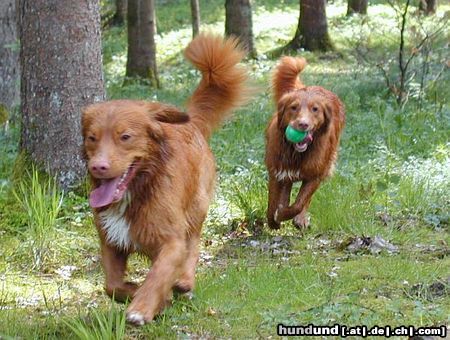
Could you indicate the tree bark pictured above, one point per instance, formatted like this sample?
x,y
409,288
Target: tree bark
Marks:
x,y
238,22
9,57
312,29
357,6
60,56
121,13
195,11
141,61
428,7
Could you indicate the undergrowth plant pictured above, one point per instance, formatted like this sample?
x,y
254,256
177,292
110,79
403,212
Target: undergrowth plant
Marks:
x,y
246,190
41,199
99,325
415,62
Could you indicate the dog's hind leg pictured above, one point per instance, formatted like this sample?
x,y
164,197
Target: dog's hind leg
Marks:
x,y
186,282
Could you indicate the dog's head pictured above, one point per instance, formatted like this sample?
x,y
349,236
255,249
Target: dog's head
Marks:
x,y
118,138
307,109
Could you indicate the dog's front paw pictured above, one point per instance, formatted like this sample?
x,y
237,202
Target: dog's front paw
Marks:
x,y
144,308
140,312
275,216
272,221
136,318
273,225
301,221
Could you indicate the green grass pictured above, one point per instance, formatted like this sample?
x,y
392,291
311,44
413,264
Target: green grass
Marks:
x,y
99,326
41,200
392,180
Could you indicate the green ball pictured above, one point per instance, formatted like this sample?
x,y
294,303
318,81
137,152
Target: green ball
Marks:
x,y
295,136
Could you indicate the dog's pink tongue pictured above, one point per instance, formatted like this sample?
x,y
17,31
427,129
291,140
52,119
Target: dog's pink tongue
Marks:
x,y
104,194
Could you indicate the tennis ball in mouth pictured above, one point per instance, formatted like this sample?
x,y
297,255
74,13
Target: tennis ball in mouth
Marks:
x,y
293,135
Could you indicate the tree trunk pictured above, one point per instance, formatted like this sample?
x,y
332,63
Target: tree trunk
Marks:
x,y
357,6
312,29
9,58
238,22
195,11
141,62
121,13
60,56
428,7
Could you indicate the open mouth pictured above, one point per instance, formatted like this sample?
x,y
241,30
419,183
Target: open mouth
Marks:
x,y
303,145
111,190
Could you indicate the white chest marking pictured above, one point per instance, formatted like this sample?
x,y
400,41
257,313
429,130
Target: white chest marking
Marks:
x,y
292,175
115,224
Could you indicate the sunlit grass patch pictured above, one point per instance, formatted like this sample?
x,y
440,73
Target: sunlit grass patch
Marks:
x,y
341,205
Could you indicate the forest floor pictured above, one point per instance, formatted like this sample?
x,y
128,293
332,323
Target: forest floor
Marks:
x,y
377,251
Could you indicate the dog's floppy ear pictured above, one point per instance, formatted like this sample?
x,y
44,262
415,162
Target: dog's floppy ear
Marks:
x,y
85,123
328,111
155,131
167,113
331,110
172,116
281,107
328,108
85,120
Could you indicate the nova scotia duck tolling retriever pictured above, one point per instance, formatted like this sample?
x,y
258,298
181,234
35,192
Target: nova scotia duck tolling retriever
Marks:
x,y
302,141
153,176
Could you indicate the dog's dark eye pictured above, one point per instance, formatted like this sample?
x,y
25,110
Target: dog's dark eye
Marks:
x,y
315,109
125,137
91,139
294,108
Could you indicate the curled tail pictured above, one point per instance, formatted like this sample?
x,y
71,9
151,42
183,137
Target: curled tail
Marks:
x,y
223,84
285,77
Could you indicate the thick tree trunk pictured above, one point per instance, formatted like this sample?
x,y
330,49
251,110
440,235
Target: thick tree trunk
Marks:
x,y
141,62
195,11
238,22
121,13
60,56
357,6
9,57
312,29
428,7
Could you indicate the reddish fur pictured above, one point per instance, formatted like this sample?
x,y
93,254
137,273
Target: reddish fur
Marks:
x,y
218,74
172,188
285,77
295,102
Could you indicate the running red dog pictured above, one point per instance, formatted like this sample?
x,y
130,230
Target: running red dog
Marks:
x,y
320,114
153,176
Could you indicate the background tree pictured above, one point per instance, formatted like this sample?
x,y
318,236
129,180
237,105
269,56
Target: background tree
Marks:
x,y
141,60
357,6
9,58
312,28
428,6
195,12
238,22
60,57
120,14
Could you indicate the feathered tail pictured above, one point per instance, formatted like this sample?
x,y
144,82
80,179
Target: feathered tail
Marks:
x,y
223,84
285,77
